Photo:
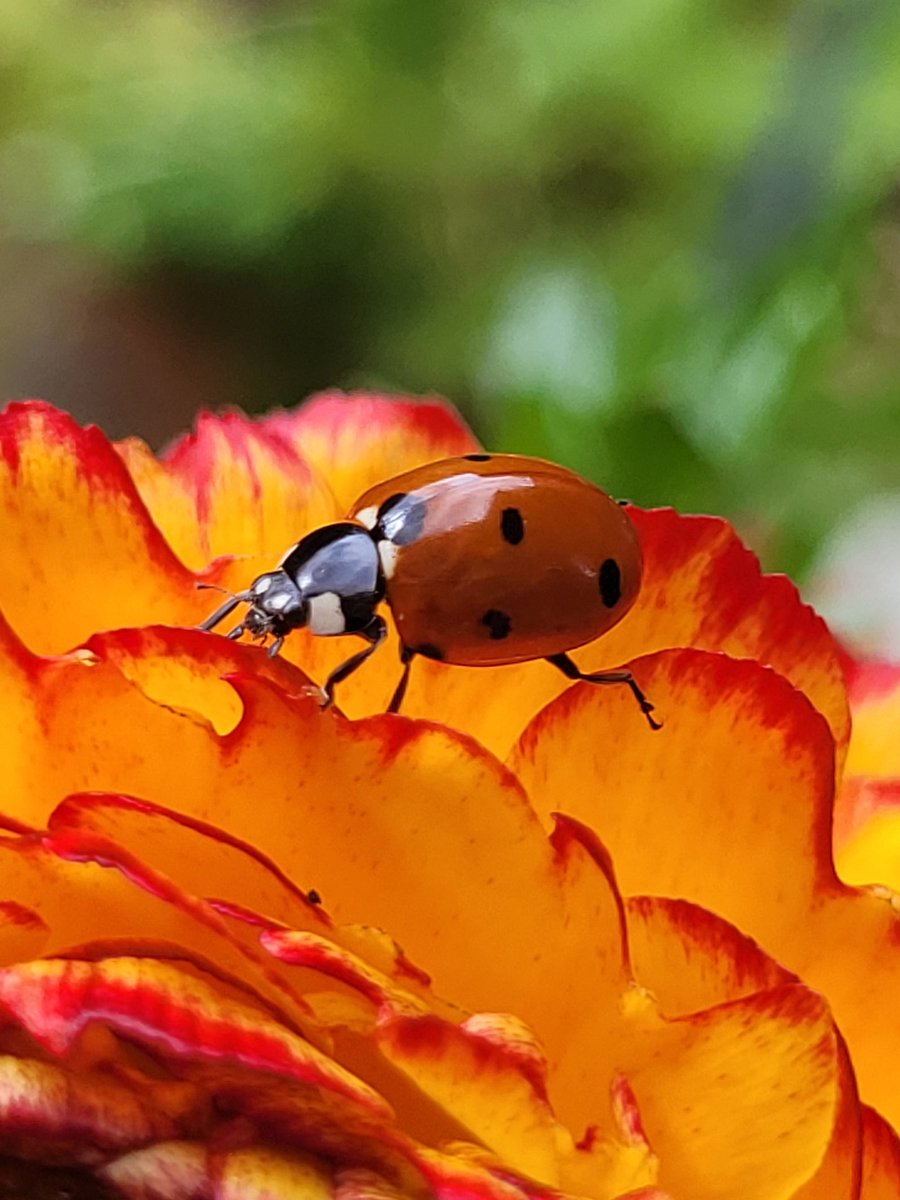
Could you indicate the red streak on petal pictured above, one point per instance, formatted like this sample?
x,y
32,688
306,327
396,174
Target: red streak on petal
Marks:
x,y
860,799
196,455
57,1010
625,1106
310,951
721,940
429,415
588,1139
12,913
567,831
95,457
415,974
12,825
69,813
428,1036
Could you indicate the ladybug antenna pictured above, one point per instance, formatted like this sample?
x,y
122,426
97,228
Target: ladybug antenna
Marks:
x,y
234,599
202,586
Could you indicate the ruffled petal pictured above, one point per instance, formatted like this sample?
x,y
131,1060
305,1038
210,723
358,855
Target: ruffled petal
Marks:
x,y
358,439
79,550
231,487
742,1100
757,851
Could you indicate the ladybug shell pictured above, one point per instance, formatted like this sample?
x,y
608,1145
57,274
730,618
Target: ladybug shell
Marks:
x,y
492,559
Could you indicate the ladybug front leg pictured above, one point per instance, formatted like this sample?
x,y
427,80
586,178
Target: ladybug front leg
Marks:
x,y
375,633
563,663
406,657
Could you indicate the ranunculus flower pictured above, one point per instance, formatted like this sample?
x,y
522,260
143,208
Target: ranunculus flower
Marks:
x,y
510,945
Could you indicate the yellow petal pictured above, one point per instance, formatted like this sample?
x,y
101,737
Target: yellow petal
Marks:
x,y
79,551
234,487
742,828
358,439
875,699
741,1100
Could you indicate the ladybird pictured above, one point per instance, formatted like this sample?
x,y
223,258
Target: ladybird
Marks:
x,y
483,560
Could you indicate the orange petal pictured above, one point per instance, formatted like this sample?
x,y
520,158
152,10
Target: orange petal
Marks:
x,y
166,1009
881,1159
875,701
672,824
742,829
88,891
702,588
871,854
237,880
79,550
502,1110
691,959
741,1100
841,1166
426,801
358,439
233,486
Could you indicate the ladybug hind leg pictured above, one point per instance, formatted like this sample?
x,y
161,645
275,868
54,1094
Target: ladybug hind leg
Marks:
x,y
563,663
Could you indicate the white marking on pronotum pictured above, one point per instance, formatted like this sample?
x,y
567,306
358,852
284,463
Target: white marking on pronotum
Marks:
x,y
368,516
287,554
325,615
388,552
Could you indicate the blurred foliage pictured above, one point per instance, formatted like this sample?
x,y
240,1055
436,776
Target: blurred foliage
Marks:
x,y
658,240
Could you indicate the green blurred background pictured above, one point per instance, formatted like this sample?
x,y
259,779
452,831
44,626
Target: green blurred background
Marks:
x,y
657,240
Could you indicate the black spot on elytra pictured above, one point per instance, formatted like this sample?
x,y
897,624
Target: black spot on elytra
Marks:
x,y
512,527
401,519
477,457
610,581
429,650
498,623
313,896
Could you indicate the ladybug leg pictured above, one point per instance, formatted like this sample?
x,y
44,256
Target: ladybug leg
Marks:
x,y
406,657
563,663
374,633
222,611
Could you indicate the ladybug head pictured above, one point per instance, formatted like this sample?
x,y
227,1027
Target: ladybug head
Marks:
x,y
276,606
331,582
